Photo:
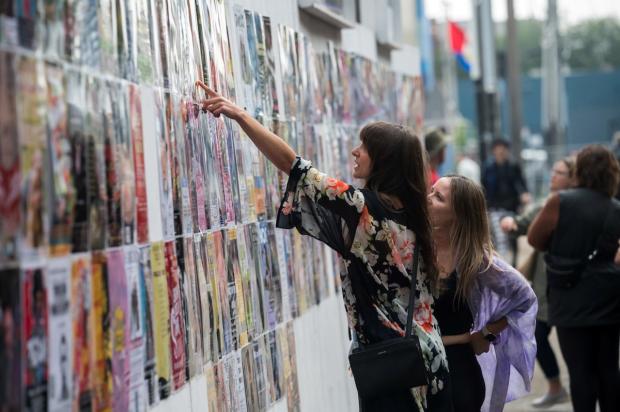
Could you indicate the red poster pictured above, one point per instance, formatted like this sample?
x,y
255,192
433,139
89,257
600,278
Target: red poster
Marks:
x,y
142,228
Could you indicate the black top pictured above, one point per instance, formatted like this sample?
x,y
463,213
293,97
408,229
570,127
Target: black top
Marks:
x,y
453,315
503,185
595,299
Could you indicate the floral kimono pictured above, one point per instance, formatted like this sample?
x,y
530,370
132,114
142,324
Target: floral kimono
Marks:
x,y
376,250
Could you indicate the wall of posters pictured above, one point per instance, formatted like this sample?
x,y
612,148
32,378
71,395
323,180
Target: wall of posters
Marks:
x,y
138,247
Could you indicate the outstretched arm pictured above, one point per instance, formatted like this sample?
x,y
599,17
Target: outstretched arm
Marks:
x,y
271,145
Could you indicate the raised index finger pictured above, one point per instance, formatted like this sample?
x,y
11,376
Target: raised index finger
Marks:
x,y
210,92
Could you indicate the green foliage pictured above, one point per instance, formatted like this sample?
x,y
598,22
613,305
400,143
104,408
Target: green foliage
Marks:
x,y
593,45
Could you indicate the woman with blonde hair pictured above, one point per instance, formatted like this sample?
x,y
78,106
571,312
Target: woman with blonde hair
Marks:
x,y
486,310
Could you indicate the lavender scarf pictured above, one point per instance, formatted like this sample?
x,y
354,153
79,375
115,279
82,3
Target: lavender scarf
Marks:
x,y
508,367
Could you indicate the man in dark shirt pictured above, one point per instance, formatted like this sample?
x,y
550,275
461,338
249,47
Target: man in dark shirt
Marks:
x,y
505,191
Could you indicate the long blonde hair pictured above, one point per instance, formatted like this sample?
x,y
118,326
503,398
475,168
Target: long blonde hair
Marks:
x,y
470,238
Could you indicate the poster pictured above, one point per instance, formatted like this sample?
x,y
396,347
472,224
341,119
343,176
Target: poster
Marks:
x,y
211,388
62,186
124,157
137,341
205,314
147,291
194,329
177,322
95,165
113,166
210,242
11,387
249,381
54,29
101,335
10,176
135,107
292,385
119,329
35,333
161,319
165,168
32,127
81,308
60,384
76,102
235,291
107,35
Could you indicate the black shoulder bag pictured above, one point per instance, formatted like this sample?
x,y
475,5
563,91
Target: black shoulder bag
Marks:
x,y
565,272
393,365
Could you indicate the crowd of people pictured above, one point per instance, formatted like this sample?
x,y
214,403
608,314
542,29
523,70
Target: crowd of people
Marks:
x,y
477,321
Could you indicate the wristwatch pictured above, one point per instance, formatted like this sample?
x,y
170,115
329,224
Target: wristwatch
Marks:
x,y
487,334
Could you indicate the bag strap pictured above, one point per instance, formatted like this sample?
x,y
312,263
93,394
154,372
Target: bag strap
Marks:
x,y
610,210
412,290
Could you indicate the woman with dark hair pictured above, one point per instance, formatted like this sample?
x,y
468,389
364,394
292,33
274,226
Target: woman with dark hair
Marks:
x,y
562,178
485,307
375,230
582,226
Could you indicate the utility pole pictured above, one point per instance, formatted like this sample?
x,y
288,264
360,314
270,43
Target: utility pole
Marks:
x,y
486,85
514,82
552,84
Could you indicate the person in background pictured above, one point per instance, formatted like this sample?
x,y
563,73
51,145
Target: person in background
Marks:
x,y
615,147
435,144
584,224
466,165
485,307
562,178
374,229
506,192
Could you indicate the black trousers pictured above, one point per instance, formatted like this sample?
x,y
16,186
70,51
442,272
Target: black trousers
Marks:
x,y
591,355
466,379
544,355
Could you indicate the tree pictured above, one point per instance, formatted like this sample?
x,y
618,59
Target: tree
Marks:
x,y
593,45
529,36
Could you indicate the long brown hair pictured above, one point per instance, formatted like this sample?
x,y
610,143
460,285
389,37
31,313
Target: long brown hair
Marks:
x,y
398,169
470,238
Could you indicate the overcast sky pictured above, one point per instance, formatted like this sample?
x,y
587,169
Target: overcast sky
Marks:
x,y
570,11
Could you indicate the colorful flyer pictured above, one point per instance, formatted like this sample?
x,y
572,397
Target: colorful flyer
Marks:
x,y
60,385
11,385
224,301
206,306
292,385
96,165
62,187
177,322
249,382
35,333
148,311
211,387
101,338
119,329
216,343
136,350
76,103
161,319
32,117
142,227
10,179
190,282
113,166
81,308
